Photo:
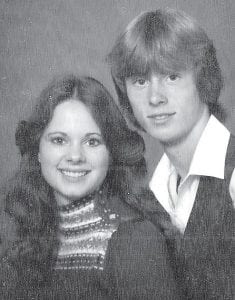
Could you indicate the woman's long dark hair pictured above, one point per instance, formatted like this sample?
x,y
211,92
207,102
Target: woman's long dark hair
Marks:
x,y
29,200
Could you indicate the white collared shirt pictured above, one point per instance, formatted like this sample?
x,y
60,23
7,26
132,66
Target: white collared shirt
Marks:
x,y
208,160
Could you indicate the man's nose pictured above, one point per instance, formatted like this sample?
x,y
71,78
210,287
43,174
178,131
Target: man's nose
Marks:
x,y
157,94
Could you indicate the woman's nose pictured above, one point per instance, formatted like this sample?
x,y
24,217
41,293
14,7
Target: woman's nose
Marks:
x,y
76,154
157,94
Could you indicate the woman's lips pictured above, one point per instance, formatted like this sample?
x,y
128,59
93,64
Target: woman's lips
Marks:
x,y
74,174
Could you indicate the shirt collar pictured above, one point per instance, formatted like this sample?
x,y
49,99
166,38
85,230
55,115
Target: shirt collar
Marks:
x,y
209,156
208,159
158,183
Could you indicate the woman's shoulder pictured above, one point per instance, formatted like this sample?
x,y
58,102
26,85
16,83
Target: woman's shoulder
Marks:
x,y
122,209
138,263
139,229
137,239
135,223
8,232
139,223
7,237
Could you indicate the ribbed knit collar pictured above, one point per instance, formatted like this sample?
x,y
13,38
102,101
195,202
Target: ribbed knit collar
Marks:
x,y
79,203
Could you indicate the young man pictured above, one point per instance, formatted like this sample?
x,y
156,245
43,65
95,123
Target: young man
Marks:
x,y
168,81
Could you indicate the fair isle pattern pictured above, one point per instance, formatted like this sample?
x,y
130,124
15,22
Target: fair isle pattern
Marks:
x,y
84,235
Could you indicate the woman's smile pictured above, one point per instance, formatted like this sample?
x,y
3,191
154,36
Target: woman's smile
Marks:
x,y
74,159
74,173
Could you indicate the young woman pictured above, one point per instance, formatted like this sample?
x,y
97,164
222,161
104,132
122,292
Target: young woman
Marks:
x,y
81,171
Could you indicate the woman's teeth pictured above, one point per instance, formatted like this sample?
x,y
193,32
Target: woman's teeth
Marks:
x,y
74,174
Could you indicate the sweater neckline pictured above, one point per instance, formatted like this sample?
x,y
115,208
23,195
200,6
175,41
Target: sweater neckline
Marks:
x,y
81,202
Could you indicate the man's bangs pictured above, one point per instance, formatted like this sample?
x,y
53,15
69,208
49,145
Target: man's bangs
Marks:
x,y
168,57
136,65
142,62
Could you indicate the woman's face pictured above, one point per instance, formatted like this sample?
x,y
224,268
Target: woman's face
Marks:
x,y
74,158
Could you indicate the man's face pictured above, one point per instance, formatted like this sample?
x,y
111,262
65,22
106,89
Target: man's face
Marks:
x,y
166,106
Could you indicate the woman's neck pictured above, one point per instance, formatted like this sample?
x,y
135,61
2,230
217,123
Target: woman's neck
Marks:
x,y
63,201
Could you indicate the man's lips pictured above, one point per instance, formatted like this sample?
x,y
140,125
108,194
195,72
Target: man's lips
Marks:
x,y
161,117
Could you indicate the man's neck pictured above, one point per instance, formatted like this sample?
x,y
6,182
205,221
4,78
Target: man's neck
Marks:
x,y
181,153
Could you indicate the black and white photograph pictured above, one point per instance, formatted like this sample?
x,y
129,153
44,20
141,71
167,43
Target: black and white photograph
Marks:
x,y
117,128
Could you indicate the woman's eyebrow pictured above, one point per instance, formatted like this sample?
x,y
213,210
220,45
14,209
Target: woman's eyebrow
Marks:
x,y
93,133
54,133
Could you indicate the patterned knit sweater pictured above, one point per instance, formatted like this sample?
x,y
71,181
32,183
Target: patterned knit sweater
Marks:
x,y
85,228
84,232
81,269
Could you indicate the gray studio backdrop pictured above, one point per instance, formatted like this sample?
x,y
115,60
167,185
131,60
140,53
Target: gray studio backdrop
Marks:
x,y
43,38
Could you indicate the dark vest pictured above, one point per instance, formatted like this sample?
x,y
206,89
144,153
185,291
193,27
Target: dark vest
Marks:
x,y
206,255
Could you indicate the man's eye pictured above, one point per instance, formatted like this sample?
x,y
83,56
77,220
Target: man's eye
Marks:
x,y
172,77
93,142
139,81
58,140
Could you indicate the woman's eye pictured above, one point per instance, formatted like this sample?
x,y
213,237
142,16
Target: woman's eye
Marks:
x,y
172,77
93,142
58,140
